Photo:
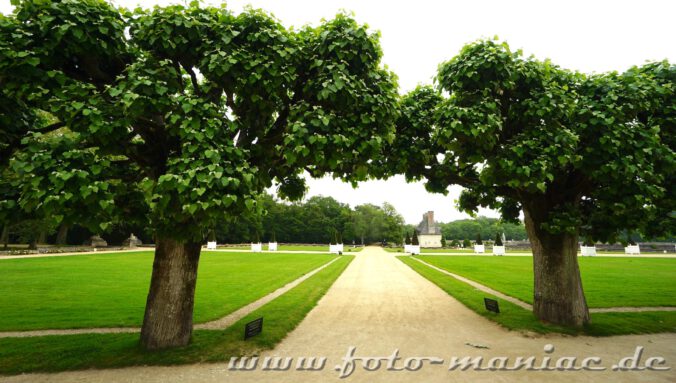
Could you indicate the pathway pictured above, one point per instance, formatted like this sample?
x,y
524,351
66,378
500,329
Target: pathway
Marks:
x,y
378,305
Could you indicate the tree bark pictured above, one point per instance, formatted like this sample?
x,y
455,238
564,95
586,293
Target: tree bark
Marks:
x,y
4,237
169,308
558,293
62,235
33,244
42,237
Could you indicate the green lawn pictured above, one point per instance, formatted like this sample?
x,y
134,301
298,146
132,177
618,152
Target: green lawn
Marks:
x,y
109,290
608,282
73,352
514,317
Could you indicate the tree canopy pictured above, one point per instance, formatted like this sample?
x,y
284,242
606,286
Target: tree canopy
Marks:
x,y
191,114
180,117
599,149
589,155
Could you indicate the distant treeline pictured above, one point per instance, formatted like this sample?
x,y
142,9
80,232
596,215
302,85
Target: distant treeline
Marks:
x,y
487,227
316,220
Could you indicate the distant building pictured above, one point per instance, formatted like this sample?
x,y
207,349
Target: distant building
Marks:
x,y
429,233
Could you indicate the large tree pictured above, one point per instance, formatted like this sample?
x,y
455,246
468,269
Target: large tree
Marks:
x,y
182,116
580,155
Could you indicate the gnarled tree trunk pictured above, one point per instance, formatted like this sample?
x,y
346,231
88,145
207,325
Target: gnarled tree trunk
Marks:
x,y
169,308
559,297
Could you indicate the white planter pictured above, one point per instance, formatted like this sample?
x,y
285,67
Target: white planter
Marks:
x,y
334,249
632,249
588,251
272,246
498,250
407,248
211,245
479,249
414,249
340,247
256,247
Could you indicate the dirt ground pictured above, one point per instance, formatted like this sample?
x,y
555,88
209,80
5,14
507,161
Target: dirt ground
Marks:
x,y
379,305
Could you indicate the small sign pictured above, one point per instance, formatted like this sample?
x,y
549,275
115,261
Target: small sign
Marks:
x,y
253,328
492,305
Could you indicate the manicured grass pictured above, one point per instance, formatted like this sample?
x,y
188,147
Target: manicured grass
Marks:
x,y
608,282
72,352
514,317
109,290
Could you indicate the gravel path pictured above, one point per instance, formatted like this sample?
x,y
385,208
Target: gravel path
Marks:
x,y
217,324
378,305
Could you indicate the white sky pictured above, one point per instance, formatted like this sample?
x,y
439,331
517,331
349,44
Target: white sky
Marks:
x,y
590,36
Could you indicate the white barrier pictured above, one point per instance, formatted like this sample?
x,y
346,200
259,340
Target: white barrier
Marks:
x,y
632,249
272,246
479,249
588,251
414,249
498,250
211,245
256,247
407,248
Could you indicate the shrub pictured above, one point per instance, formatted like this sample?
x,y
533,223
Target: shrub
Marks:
x,y
478,239
498,240
414,240
466,243
407,240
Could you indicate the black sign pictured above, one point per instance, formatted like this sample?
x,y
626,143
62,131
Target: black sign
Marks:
x,y
253,328
492,305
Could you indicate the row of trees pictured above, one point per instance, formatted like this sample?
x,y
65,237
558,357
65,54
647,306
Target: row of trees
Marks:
x,y
315,221
180,117
486,227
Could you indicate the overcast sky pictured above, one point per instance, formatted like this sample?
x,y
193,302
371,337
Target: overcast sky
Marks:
x,y
590,36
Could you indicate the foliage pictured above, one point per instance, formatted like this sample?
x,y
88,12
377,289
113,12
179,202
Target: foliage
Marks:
x,y
466,243
588,153
407,240
414,240
455,243
443,241
498,239
478,240
466,228
148,138
314,220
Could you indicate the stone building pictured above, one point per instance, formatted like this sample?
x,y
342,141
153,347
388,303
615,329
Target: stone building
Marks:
x,y
429,233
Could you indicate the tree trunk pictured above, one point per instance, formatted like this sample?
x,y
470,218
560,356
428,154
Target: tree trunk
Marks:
x,y
33,244
4,237
42,237
169,308
62,235
559,297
